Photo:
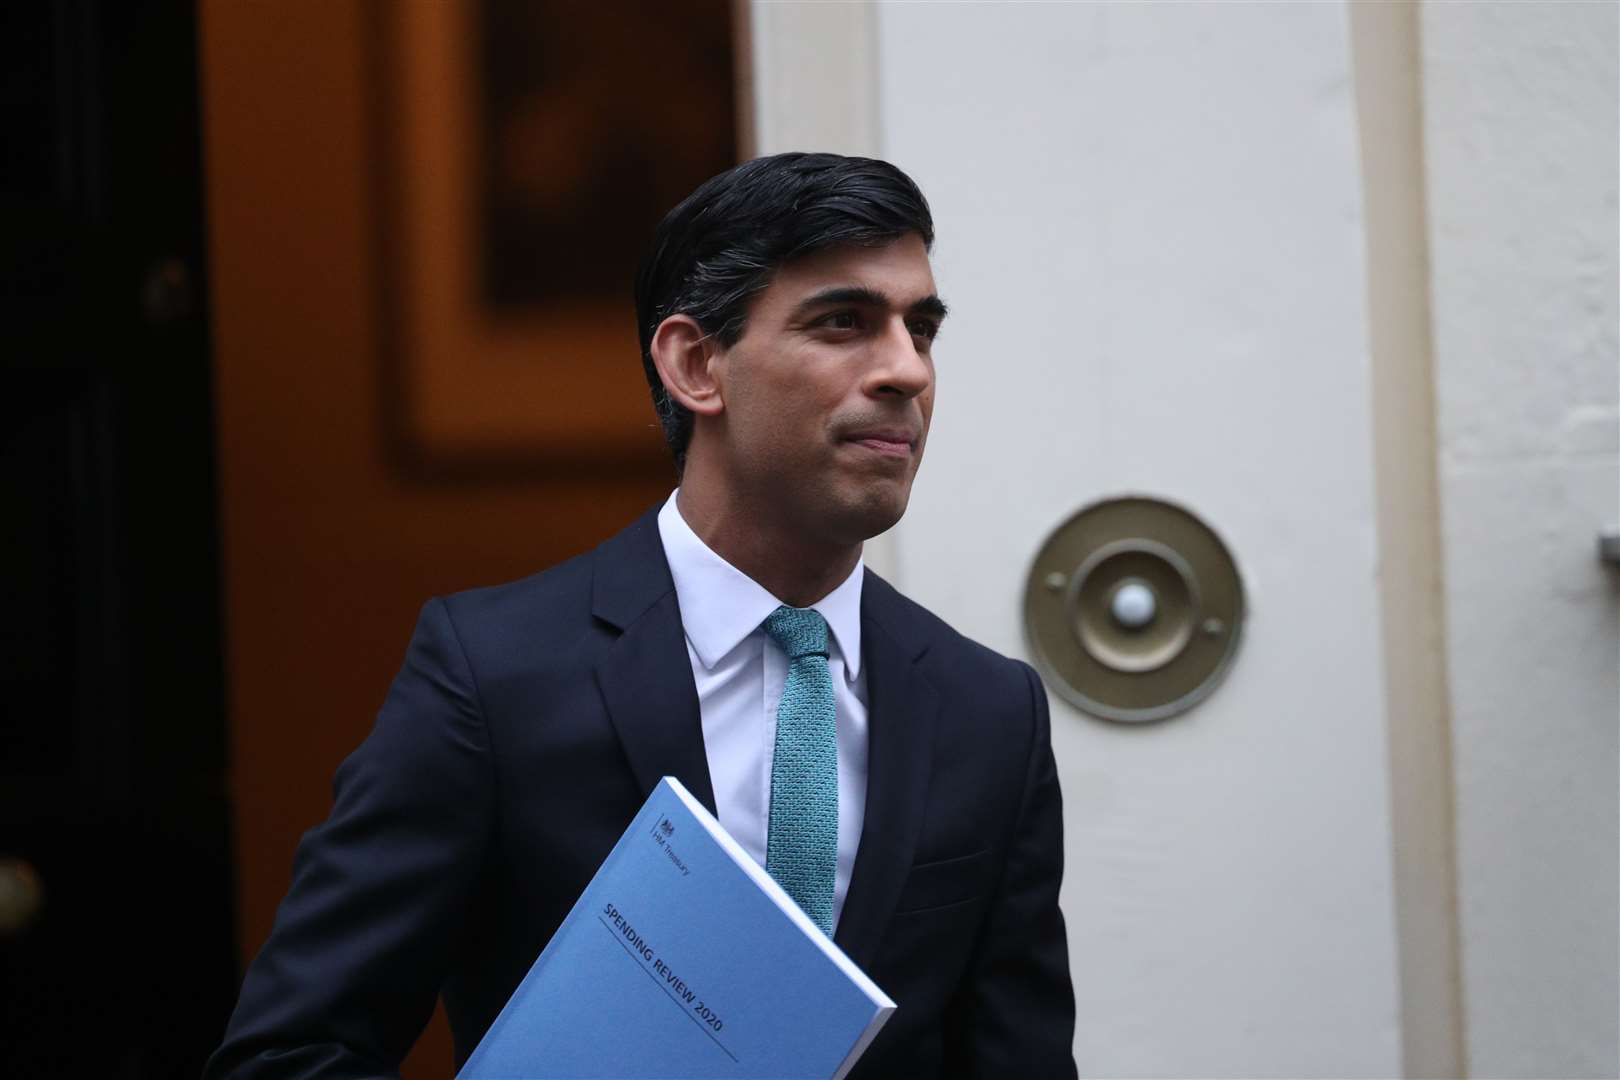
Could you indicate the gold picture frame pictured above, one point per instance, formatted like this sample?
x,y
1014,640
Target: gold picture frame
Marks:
x,y
478,379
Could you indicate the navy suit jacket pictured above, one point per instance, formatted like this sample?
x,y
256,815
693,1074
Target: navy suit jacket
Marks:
x,y
528,724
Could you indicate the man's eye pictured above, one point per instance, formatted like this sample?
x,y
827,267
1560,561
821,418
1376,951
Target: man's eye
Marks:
x,y
840,320
925,329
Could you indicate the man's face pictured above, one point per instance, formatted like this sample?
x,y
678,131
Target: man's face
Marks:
x,y
829,392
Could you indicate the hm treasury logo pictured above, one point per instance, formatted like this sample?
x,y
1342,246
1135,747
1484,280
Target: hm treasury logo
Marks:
x,y
661,835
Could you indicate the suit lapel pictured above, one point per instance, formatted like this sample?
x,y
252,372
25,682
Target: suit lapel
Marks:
x,y
646,683
645,678
901,709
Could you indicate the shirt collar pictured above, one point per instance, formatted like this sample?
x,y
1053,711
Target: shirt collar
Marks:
x,y
721,605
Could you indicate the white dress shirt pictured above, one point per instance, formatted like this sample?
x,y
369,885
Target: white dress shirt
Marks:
x,y
739,673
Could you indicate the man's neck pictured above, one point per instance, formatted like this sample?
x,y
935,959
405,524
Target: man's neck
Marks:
x,y
792,569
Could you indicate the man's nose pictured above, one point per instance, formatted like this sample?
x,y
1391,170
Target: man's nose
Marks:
x,y
900,369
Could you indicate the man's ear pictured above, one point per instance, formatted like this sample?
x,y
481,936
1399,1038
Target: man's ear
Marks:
x,y
684,356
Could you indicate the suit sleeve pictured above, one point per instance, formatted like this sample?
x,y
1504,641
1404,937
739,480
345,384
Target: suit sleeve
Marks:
x,y
1014,1014
361,944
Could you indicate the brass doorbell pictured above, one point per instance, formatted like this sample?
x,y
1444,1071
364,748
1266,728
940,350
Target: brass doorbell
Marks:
x,y
1133,609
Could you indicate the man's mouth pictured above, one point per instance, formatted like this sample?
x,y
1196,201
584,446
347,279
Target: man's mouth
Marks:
x,y
895,443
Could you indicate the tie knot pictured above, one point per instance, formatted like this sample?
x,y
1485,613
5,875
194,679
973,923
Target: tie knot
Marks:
x,y
798,631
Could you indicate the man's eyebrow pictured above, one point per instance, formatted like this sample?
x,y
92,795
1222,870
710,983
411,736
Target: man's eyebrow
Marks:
x,y
868,297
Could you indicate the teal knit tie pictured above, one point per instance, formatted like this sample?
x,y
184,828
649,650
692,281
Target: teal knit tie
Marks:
x,y
801,849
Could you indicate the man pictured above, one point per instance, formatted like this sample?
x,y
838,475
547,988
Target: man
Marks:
x,y
787,313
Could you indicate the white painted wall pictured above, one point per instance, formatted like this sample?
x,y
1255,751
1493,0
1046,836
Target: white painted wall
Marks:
x,y
1522,139
1151,236
1155,233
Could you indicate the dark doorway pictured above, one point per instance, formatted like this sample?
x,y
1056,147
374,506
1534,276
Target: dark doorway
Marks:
x,y
117,956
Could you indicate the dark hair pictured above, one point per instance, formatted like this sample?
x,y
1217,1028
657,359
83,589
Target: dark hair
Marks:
x,y
718,248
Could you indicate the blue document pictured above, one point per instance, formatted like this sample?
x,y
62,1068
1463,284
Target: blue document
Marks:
x,y
683,960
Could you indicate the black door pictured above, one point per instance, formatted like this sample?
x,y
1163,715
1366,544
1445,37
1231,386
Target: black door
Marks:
x,y
116,936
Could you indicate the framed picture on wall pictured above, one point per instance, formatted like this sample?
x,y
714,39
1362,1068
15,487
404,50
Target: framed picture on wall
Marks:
x,y
525,149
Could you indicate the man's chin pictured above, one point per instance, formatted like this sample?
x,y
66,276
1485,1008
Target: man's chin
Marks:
x,y
876,512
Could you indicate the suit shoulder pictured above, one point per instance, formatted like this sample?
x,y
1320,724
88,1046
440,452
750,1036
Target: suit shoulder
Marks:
x,y
553,620
529,626
547,593
954,659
